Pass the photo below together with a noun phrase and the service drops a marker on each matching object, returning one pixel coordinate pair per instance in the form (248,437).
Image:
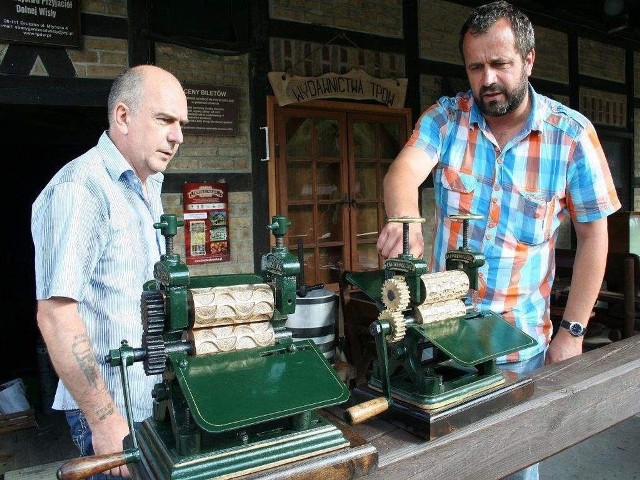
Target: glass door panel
(364,139)
(366,186)
(302,226)
(329,223)
(328,137)
(313,186)
(330,265)
(390,142)
(368,256)
(300,181)
(298,134)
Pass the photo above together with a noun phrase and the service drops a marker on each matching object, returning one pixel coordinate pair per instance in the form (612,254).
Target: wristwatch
(576,329)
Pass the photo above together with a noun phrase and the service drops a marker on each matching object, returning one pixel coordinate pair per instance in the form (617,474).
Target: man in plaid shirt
(524,162)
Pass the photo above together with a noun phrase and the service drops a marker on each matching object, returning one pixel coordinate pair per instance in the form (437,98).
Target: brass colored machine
(435,355)
(238,394)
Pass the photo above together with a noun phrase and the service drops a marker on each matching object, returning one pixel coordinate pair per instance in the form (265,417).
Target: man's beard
(513,99)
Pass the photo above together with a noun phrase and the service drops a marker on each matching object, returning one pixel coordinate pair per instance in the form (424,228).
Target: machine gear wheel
(395,293)
(397,323)
(152,308)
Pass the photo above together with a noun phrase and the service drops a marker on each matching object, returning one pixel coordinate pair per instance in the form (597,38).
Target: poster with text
(206,222)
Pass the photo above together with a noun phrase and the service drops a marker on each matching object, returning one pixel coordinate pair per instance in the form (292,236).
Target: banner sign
(354,85)
(46,22)
(206,222)
(212,110)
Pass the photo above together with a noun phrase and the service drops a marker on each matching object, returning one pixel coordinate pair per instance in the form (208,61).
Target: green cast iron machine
(238,393)
(435,368)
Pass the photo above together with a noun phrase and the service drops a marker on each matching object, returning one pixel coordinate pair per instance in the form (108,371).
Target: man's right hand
(390,240)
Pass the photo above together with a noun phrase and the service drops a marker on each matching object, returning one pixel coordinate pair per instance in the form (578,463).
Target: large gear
(152,306)
(397,323)
(395,293)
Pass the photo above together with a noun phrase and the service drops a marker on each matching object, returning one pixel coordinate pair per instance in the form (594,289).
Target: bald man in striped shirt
(95,247)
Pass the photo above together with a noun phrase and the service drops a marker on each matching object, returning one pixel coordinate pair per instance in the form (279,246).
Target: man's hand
(390,240)
(563,346)
(107,438)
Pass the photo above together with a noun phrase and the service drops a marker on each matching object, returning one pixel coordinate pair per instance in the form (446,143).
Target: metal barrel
(315,319)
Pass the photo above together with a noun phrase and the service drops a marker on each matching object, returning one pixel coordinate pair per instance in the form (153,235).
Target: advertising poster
(206,222)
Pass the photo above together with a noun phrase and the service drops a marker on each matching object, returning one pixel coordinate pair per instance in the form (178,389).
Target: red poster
(206,222)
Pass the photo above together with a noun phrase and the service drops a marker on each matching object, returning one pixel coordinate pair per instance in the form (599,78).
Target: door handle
(266,142)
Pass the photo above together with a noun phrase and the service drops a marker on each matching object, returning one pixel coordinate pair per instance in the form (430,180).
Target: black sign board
(46,22)
(212,110)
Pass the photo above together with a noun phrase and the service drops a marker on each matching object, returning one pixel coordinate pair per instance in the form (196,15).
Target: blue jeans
(525,366)
(81,436)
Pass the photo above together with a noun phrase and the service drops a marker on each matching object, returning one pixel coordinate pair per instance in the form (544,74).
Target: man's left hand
(563,346)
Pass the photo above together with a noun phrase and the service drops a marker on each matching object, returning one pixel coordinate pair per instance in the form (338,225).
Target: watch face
(576,329)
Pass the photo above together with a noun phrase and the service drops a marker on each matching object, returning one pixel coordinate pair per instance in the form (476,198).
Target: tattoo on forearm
(83,352)
(104,412)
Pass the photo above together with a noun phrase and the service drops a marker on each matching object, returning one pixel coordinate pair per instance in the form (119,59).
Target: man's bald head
(129,87)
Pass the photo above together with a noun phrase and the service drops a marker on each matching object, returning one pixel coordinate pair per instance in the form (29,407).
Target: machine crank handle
(366,410)
(369,409)
(84,467)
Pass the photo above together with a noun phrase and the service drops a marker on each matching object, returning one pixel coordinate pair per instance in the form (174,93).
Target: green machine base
(461,385)
(435,423)
(460,382)
(161,460)
(468,347)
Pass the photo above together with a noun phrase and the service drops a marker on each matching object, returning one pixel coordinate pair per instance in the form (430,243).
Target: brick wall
(210,154)
(114,8)
(439,23)
(313,59)
(552,55)
(601,60)
(382,17)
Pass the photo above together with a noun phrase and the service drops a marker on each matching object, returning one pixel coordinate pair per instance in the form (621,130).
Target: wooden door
(329,160)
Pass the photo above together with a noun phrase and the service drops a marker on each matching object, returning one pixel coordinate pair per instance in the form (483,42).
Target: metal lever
(266,142)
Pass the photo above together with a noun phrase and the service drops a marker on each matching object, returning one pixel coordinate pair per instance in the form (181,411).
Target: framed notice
(206,222)
(41,21)
(212,110)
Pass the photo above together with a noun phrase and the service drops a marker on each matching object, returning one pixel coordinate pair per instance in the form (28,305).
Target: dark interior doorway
(39,140)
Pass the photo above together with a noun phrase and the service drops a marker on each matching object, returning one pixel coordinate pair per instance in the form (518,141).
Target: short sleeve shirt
(95,242)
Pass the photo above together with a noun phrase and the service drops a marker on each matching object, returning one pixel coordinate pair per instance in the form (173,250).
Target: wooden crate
(17,421)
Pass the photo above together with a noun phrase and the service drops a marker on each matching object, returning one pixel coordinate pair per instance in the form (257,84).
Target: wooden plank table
(572,401)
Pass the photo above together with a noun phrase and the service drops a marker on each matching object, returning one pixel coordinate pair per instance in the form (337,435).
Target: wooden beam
(572,401)
(33,90)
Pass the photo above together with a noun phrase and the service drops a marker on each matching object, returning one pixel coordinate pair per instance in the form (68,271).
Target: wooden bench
(619,294)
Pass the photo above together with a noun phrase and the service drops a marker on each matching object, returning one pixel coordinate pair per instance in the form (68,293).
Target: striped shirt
(95,243)
(553,168)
